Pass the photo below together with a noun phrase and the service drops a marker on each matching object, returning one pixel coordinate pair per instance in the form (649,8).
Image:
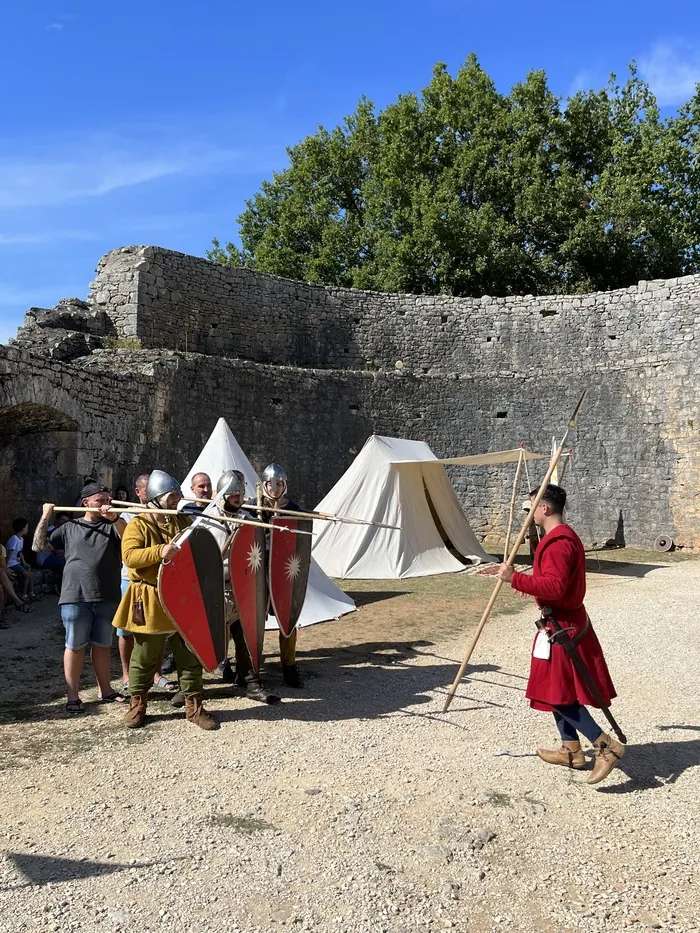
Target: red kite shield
(290,560)
(247,570)
(191,590)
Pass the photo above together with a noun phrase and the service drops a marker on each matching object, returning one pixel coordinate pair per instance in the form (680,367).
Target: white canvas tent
(396,482)
(324,601)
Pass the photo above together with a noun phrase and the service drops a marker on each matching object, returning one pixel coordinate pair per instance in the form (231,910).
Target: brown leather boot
(196,713)
(569,755)
(136,713)
(608,752)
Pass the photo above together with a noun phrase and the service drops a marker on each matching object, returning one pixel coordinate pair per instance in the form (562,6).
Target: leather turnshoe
(195,712)
(608,752)
(291,676)
(570,755)
(135,715)
(177,701)
(256,691)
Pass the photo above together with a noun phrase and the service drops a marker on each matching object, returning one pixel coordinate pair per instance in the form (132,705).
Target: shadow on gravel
(653,765)
(364,681)
(619,569)
(42,869)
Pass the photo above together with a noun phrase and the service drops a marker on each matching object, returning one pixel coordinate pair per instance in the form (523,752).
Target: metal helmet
(273,474)
(160,484)
(231,484)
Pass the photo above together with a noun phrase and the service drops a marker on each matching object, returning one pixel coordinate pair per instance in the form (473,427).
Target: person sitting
(7,589)
(16,562)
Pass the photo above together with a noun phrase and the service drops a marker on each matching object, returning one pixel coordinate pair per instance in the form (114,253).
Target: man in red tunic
(558,582)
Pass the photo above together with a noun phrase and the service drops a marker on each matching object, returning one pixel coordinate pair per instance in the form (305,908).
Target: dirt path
(355,804)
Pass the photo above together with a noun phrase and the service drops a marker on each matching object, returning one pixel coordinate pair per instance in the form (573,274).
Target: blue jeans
(47,560)
(122,632)
(573,719)
(88,624)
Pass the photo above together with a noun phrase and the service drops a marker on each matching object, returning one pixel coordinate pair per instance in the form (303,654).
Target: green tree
(461,189)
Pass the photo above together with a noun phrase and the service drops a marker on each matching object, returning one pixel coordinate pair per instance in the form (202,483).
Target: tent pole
(512,503)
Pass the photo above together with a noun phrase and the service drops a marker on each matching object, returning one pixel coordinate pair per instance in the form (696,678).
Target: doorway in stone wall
(38,463)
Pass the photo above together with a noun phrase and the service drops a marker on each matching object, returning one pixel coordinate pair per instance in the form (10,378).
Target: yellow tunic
(142,545)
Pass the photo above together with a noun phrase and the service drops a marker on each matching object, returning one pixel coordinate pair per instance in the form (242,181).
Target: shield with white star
(290,560)
(247,570)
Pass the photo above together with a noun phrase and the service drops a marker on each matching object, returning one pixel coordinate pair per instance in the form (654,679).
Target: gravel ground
(356,805)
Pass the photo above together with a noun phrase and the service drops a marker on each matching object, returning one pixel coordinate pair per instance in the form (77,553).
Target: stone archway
(38,463)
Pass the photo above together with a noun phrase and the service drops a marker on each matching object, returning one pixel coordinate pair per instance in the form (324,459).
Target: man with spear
(568,670)
(146,542)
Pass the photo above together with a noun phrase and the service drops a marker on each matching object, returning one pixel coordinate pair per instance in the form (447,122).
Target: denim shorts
(88,624)
(121,632)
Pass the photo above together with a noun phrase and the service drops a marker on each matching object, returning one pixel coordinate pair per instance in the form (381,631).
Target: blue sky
(152,123)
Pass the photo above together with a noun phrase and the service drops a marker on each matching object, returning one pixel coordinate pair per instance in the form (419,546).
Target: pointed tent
(324,601)
(399,482)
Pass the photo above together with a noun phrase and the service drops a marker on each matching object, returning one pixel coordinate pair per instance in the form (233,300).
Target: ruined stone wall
(476,375)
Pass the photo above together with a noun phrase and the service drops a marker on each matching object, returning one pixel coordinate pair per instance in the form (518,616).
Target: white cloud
(672,69)
(54,27)
(46,236)
(95,168)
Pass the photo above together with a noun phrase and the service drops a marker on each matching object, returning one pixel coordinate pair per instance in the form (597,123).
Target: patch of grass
(122,343)
(247,825)
(497,798)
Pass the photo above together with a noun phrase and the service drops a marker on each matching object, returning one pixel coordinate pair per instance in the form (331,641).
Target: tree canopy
(466,191)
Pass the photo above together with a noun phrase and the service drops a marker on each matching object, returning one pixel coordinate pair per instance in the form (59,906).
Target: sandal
(23,607)
(75,706)
(164,684)
(112,698)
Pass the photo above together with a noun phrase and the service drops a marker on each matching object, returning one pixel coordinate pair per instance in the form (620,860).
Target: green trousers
(288,649)
(142,667)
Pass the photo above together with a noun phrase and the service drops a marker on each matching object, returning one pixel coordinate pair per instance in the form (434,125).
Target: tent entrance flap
(441,529)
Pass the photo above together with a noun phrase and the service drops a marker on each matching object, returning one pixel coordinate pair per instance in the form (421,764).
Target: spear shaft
(323,516)
(132,509)
(513,555)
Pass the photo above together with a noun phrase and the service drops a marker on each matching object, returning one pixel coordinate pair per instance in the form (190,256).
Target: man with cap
(275,495)
(558,583)
(146,543)
(90,590)
(230,492)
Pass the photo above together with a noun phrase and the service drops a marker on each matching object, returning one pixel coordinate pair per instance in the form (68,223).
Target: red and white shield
(247,571)
(191,590)
(290,560)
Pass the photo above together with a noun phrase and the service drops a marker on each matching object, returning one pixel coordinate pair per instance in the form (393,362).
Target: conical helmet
(160,484)
(273,474)
(231,483)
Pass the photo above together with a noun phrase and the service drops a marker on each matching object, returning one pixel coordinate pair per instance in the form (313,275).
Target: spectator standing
(90,592)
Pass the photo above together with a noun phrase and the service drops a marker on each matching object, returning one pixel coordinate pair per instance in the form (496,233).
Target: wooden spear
(513,555)
(512,500)
(323,516)
(144,510)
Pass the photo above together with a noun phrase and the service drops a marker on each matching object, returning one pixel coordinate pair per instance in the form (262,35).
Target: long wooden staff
(512,500)
(513,554)
(324,516)
(564,465)
(144,510)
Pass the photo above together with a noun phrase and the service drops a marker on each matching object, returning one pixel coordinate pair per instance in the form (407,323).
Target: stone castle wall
(304,374)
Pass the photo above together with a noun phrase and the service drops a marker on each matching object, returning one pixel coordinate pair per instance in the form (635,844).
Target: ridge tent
(399,482)
(324,601)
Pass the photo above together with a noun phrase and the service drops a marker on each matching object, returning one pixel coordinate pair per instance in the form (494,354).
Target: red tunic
(559,581)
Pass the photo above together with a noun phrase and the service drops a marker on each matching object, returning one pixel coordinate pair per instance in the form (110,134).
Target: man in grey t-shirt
(90,591)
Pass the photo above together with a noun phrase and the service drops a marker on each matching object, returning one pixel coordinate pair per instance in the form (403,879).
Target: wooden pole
(324,516)
(512,501)
(512,556)
(144,510)
(562,472)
